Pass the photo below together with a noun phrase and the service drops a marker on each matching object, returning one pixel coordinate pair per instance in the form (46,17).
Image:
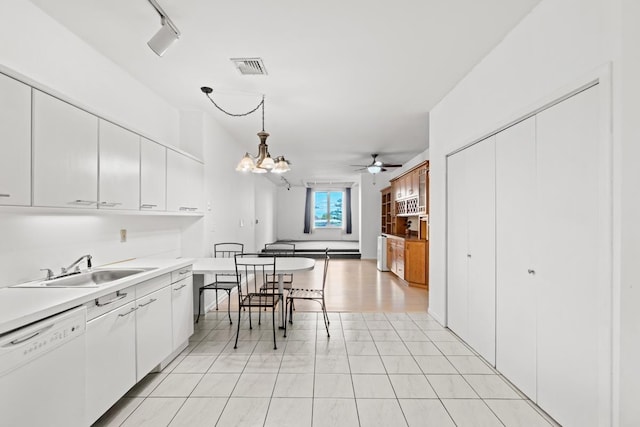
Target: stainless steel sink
(89,279)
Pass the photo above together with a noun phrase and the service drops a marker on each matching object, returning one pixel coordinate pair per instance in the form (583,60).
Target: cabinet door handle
(188,208)
(128,312)
(468,255)
(177,289)
(152,300)
(531,271)
(148,206)
(109,204)
(5,195)
(184,271)
(83,202)
(118,297)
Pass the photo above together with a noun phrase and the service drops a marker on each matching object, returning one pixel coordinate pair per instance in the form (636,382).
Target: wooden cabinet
(15,145)
(153,176)
(111,365)
(385,209)
(65,154)
(182,311)
(153,323)
(184,183)
(415,262)
(119,166)
(395,256)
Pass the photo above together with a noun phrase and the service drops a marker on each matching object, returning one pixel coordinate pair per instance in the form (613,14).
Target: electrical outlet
(123,235)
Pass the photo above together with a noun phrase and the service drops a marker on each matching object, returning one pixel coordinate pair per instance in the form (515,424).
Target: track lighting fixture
(166,35)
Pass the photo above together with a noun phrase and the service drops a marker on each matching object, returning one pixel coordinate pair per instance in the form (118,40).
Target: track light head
(164,38)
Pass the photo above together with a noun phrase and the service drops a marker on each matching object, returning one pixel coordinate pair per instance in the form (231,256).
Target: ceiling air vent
(250,66)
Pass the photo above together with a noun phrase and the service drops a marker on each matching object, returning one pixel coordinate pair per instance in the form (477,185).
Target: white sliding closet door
(516,222)
(457,247)
(471,246)
(567,268)
(480,186)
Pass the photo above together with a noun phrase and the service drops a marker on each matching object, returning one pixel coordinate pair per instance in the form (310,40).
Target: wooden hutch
(405,222)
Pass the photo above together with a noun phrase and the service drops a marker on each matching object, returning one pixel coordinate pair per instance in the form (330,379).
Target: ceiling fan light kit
(376,166)
(262,162)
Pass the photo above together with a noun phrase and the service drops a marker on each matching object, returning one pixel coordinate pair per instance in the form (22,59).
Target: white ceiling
(347,78)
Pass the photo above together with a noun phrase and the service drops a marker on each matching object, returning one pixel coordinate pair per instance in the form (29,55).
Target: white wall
(370,212)
(265,212)
(559,42)
(628,91)
(290,217)
(38,47)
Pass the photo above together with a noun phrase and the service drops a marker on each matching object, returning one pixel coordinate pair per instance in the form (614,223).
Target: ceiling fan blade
(390,165)
(361,169)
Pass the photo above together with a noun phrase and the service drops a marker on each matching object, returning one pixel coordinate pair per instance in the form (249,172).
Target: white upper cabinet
(184,183)
(15,142)
(119,167)
(153,176)
(65,154)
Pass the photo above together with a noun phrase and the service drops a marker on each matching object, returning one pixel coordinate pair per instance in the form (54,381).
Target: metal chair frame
(310,295)
(226,282)
(252,267)
(281,250)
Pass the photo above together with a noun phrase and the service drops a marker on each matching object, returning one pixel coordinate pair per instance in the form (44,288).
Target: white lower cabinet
(131,332)
(182,310)
(111,367)
(154,342)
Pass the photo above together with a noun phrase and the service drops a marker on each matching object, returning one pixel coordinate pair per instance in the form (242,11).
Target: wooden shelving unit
(387,215)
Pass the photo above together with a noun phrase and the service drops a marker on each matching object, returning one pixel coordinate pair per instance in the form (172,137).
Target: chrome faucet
(75,264)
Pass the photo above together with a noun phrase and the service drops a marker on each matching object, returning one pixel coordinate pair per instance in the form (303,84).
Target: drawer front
(109,302)
(182,273)
(152,285)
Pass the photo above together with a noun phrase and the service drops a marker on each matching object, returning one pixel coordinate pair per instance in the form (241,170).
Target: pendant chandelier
(263,162)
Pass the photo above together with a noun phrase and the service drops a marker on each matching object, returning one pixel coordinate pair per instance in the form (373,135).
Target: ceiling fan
(376,166)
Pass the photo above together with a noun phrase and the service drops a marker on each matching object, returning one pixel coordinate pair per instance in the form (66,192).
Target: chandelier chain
(261,104)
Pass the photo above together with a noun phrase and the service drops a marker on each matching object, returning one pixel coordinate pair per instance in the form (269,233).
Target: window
(327,211)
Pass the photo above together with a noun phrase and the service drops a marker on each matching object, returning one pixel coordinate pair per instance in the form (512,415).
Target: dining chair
(226,282)
(253,267)
(280,250)
(311,294)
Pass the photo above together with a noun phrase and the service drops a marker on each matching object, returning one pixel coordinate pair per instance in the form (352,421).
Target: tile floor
(377,369)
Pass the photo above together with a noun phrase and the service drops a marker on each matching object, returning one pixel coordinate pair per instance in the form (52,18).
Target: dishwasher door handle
(28,337)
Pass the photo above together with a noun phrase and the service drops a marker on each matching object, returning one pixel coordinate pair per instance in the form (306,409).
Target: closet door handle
(530,271)
(5,195)
(468,255)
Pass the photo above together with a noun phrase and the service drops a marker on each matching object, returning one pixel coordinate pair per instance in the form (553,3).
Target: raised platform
(338,249)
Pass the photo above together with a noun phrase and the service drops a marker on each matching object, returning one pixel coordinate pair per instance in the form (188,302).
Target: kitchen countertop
(22,306)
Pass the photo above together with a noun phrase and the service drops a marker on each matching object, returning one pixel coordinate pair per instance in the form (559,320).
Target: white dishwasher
(42,372)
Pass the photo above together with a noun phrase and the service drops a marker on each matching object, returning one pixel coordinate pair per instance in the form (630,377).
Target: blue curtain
(347,208)
(307,211)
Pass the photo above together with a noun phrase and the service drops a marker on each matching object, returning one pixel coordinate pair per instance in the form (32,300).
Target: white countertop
(21,306)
